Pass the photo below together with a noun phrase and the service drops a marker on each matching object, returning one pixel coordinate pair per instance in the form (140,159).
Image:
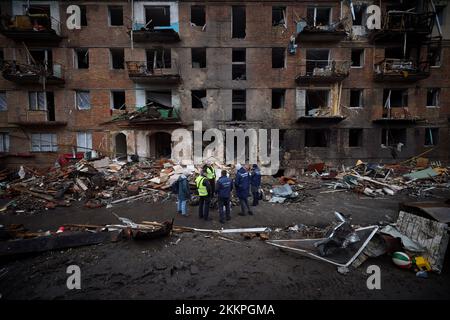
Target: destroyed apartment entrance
(121,145)
(160,144)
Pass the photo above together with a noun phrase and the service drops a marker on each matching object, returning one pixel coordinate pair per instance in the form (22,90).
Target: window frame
(76,100)
(53,143)
(85,135)
(3,108)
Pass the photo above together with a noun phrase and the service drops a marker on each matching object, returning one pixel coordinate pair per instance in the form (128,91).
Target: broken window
(238,68)
(360,14)
(84,141)
(81,60)
(355,137)
(316,59)
(316,100)
(238,105)
(357,58)
(157,16)
(118,100)
(159,58)
(278,97)
(238,22)
(37,100)
(41,57)
(431,136)
(318,16)
(115,14)
(198,15)
(44,142)
(433,97)
(83,15)
(117,58)
(83,100)
(278,16)
(278,58)
(435,57)
(3,104)
(356,98)
(161,98)
(198,99)
(39,15)
(395,98)
(198,57)
(4,142)
(392,137)
(317,138)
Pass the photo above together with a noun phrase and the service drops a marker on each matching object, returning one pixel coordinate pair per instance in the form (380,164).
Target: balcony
(327,33)
(153,113)
(401,70)
(165,34)
(32,74)
(32,28)
(38,118)
(398,115)
(141,72)
(323,72)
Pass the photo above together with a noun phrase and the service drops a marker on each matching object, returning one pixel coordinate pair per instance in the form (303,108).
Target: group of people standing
(247,180)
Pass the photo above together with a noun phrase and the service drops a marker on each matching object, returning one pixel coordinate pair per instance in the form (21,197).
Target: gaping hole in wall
(40,16)
(278,97)
(83,14)
(395,98)
(198,99)
(238,22)
(115,15)
(198,57)
(159,98)
(317,138)
(121,145)
(360,14)
(357,58)
(118,100)
(198,15)
(433,97)
(278,16)
(81,58)
(316,58)
(117,58)
(160,145)
(355,137)
(316,99)
(278,57)
(238,67)
(356,98)
(392,137)
(239,105)
(431,136)
(434,56)
(318,16)
(159,58)
(157,16)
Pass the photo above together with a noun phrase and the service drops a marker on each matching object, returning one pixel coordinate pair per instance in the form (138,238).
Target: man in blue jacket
(242,184)
(223,189)
(184,193)
(255,183)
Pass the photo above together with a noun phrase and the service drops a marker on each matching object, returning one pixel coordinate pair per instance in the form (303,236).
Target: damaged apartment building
(137,70)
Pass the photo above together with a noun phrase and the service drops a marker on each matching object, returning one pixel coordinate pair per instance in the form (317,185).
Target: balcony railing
(147,33)
(141,71)
(32,73)
(323,71)
(332,32)
(401,70)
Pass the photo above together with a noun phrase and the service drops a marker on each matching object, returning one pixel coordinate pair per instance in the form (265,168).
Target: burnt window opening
(356,98)
(238,22)
(316,58)
(433,97)
(198,15)
(117,58)
(198,57)
(159,98)
(434,55)
(395,53)
(357,58)
(355,137)
(395,98)
(198,99)
(159,58)
(360,14)
(157,16)
(83,15)
(238,67)
(317,138)
(41,57)
(239,105)
(118,100)
(278,98)
(278,16)
(115,15)
(392,137)
(81,58)
(318,16)
(278,58)
(431,136)
(316,100)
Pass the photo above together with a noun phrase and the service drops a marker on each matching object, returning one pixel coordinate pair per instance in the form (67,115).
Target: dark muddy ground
(201,267)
